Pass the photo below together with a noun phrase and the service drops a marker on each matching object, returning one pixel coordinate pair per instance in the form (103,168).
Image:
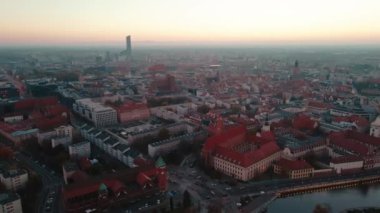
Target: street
(50,196)
(206,191)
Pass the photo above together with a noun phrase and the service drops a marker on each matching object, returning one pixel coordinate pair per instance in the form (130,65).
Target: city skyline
(189,22)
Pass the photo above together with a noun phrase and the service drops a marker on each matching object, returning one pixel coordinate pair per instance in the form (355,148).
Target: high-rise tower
(296,69)
(128,46)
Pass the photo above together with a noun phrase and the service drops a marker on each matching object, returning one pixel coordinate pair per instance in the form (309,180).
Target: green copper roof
(160,162)
(102,187)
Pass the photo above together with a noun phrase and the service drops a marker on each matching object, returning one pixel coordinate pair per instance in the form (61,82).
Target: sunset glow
(241,21)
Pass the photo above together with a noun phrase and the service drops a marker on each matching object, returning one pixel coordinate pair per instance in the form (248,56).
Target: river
(338,200)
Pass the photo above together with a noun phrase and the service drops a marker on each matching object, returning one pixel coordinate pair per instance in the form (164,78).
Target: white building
(43,136)
(68,169)
(95,112)
(13,118)
(163,147)
(60,135)
(166,146)
(346,163)
(65,141)
(14,179)
(80,150)
(375,128)
(10,203)
(64,131)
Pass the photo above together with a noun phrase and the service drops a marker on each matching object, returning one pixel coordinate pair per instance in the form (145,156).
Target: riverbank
(338,200)
(362,210)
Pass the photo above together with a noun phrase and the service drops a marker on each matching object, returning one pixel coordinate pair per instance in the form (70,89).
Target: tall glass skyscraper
(129,46)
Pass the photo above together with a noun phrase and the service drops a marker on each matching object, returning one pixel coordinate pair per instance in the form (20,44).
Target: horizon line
(151,43)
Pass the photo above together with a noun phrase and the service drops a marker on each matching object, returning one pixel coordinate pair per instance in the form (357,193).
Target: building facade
(293,169)
(132,112)
(80,150)
(10,203)
(233,152)
(375,128)
(95,112)
(14,179)
(344,164)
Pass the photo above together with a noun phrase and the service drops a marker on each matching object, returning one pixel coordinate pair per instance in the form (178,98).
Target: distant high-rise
(128,46)
(296,69)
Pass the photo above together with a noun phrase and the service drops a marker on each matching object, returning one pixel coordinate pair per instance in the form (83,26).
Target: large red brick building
(124,186)
(236,153)
(357,144)
(293,169)
(132,111)
(31,116)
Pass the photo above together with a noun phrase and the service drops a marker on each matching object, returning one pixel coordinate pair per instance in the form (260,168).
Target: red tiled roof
(130,106)
(232,135)
(245,122)
(143,178)
(319,105)
(48,101)
(267,136)
(78,176)
(357,136)
(114,185)
(364,138)
(50,123)
(85,163)
(11,114)
(14,127)
(351,145)
(247,158)
(293,164)
(141,162)
(282,123)
(346,159)
(358,120)
(337,135)
(157,68)
(304,122)
(56,110)
(85,188)
(261,138)
(92,186)
(34,102)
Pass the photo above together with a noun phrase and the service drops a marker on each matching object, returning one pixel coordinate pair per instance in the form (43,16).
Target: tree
(6,153)
(96,169)
(61,158)
(163,134)
(142,144)
(235,109)
(173,158)
(28,193)
(213,208)
(184,147)
(204,109)
(322,209)
(186,200)
(2,187)
(67,76)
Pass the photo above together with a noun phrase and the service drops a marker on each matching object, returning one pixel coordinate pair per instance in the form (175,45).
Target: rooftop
(8,197)
(80,144)
(293,164)
(346,159)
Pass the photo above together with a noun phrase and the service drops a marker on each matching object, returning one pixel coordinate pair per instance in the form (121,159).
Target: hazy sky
(189,21)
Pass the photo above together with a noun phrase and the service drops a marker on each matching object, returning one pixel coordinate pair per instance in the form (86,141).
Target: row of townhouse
(172,128)
(168,145)
(109,144)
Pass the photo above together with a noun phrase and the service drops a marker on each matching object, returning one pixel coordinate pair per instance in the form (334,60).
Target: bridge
(324,186)
(260,203)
